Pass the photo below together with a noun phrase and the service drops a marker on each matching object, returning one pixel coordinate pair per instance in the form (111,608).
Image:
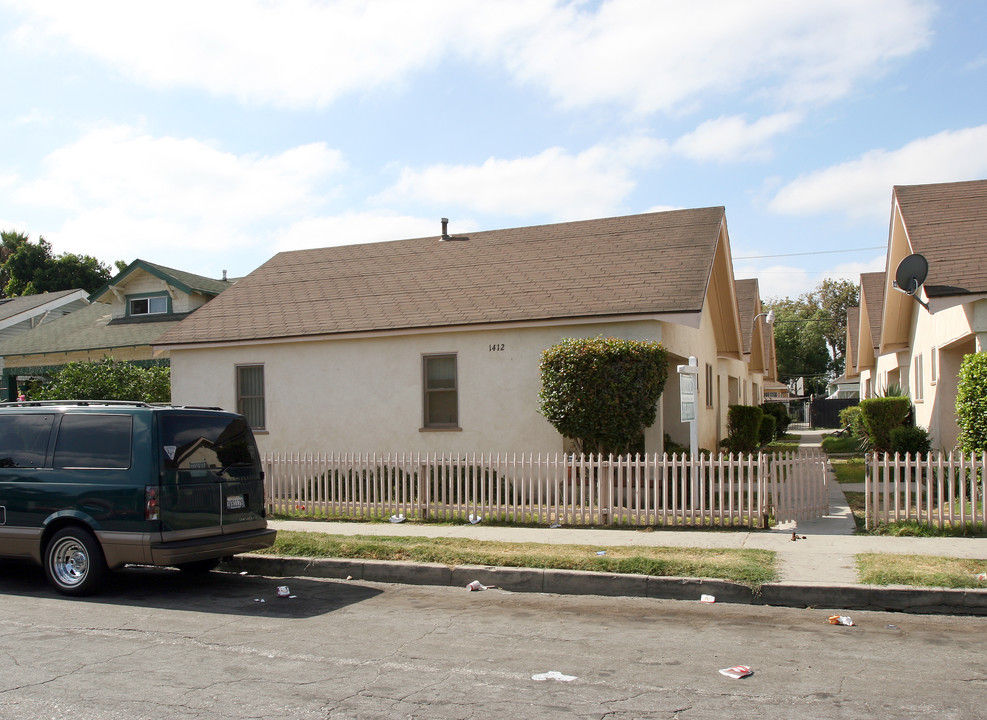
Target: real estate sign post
(688,396)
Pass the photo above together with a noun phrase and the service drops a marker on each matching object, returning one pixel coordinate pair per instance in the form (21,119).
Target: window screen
(250,394)
(441,393)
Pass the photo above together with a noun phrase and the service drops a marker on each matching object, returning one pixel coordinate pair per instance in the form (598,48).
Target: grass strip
(836,444)
(849,470)
(920,571)
(748,567)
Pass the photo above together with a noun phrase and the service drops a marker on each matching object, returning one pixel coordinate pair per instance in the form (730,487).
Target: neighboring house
(433,344)
(759,345)
(868,345)
(20,314)
(122,320)
(843,388)
(921,349)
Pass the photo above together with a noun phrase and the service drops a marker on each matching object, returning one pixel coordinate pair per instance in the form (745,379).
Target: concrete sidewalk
(819,570)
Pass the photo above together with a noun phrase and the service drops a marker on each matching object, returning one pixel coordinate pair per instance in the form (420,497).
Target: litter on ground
(553,675)
(707,599)
(982,577)
(601,552)
(475,585)
(553,526)
(397,518)
(474,519)
(840,620)
(737,671)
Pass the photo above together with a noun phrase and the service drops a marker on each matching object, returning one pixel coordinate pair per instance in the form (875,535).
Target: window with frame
(709,385)
(441,391)
(250,394)
(919,389)
(934,366)
(149,305)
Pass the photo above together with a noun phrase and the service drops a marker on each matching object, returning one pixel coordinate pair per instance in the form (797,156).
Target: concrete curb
(574,582)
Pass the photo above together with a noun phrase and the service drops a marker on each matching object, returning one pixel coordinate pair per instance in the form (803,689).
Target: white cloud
(293,54)
(355,227)
(648,56)
(729,139)
(672,54)
(127,194)
(861,188)
(592,183)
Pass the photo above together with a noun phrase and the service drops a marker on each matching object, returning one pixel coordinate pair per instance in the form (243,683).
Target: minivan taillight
(151,508)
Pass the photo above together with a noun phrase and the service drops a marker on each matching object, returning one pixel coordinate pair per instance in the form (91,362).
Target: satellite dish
(911,273)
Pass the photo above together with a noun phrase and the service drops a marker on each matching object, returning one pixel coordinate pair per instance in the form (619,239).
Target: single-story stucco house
(433,344)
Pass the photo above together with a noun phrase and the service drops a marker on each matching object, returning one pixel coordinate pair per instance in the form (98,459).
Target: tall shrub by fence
(936,489)
(725,490)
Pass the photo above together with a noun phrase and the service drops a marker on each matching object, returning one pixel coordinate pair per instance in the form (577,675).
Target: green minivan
(90,486)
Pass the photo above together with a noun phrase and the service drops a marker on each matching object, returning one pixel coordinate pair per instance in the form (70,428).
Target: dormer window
(147,305)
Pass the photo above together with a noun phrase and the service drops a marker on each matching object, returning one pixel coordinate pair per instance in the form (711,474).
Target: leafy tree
(10,242)
(603,392)
(108,379)
(810,333)
(31,268)
(971,403)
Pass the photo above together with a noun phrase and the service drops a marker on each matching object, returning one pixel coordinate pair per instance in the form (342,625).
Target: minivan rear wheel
(74,562)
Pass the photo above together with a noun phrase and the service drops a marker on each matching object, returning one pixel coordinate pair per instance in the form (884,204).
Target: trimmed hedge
(879,416)
(780,413)
(767,430)
(913,440)
(744,428)
(971,403)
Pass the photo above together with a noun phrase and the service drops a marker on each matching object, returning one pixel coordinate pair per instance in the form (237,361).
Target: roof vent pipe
(445,228)
(224,276)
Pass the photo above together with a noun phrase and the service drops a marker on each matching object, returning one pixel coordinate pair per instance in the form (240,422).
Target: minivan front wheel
(74,562)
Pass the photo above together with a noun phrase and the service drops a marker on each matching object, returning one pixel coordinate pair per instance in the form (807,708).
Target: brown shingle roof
(653,263)
(853,337)
(947,223)
(872,288)
(747,299)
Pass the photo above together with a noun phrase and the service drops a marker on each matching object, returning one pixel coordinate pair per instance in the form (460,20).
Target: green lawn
(920,570)
(848,470)
(748,567)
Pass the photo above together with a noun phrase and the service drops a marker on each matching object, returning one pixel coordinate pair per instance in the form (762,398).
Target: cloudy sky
(210,135)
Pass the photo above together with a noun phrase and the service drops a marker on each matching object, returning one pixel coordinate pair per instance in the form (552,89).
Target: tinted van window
(24,440)
(202,442)
(94,441)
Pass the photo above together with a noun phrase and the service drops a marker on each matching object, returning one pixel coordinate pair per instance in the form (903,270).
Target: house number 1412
(497,347)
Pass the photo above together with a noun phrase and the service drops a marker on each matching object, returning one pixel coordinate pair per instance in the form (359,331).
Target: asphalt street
(160,644)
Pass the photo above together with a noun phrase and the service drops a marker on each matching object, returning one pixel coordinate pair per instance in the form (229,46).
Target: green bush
(108,379)
(603,392)
(879,416)
(743,428)
(850,417)
(780,413)
(910,439)
(971,403)
(767,430)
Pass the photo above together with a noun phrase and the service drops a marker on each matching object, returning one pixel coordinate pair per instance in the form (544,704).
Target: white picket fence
(937,489)
(726,490)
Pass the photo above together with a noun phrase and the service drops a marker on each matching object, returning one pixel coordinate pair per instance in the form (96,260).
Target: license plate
(235,502)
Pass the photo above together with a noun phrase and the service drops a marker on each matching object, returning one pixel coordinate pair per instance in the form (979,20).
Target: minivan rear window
(207,442)
(24,440)
(94,441)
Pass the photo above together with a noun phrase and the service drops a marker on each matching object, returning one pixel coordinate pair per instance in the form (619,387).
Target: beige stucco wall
(938,343)
(365,394)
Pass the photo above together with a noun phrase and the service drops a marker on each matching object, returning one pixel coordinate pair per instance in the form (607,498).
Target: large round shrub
(971,403)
